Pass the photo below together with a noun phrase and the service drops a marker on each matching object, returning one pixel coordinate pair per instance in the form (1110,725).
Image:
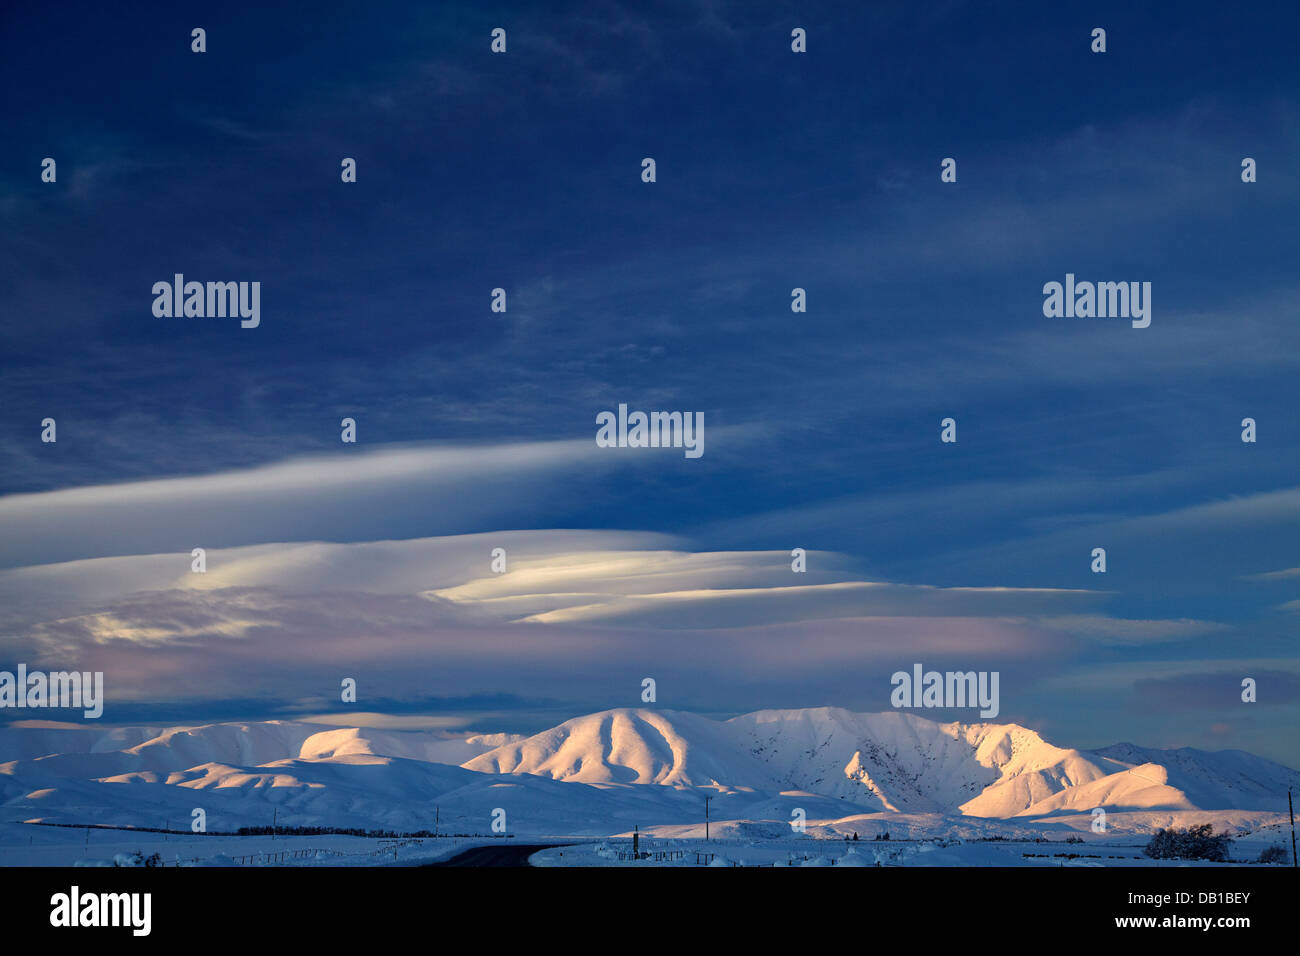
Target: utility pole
(1291,807)
(706,818)
(274,813)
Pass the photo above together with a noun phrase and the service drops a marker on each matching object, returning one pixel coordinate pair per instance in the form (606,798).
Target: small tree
(1194,843)
(137,859)
(1273,854)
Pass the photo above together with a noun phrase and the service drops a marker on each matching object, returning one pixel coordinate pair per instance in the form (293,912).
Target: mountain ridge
(604,772)
(891,761)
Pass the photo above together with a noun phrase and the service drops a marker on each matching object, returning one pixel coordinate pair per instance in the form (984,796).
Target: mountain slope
(890,762)
(1223,779)
(632,746)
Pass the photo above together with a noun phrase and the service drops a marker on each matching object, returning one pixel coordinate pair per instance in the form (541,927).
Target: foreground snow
(31,845)
(26,845)
(838,853)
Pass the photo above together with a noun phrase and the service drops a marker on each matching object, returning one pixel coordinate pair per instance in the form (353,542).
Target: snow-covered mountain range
(605,772)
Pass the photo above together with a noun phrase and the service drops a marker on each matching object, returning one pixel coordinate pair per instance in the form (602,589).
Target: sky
(775,170)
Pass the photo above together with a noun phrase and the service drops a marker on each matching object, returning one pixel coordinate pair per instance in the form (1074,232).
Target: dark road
(511,854)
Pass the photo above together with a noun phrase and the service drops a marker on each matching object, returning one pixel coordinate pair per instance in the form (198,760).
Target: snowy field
(940,852)
(29,845)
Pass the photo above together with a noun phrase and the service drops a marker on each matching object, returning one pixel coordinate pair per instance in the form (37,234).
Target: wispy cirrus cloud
(369,493)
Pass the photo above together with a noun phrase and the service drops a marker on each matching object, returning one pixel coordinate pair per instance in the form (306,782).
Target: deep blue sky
(775,170)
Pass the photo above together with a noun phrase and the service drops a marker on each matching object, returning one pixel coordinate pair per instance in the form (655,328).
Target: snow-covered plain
(936,851)
(946,788)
